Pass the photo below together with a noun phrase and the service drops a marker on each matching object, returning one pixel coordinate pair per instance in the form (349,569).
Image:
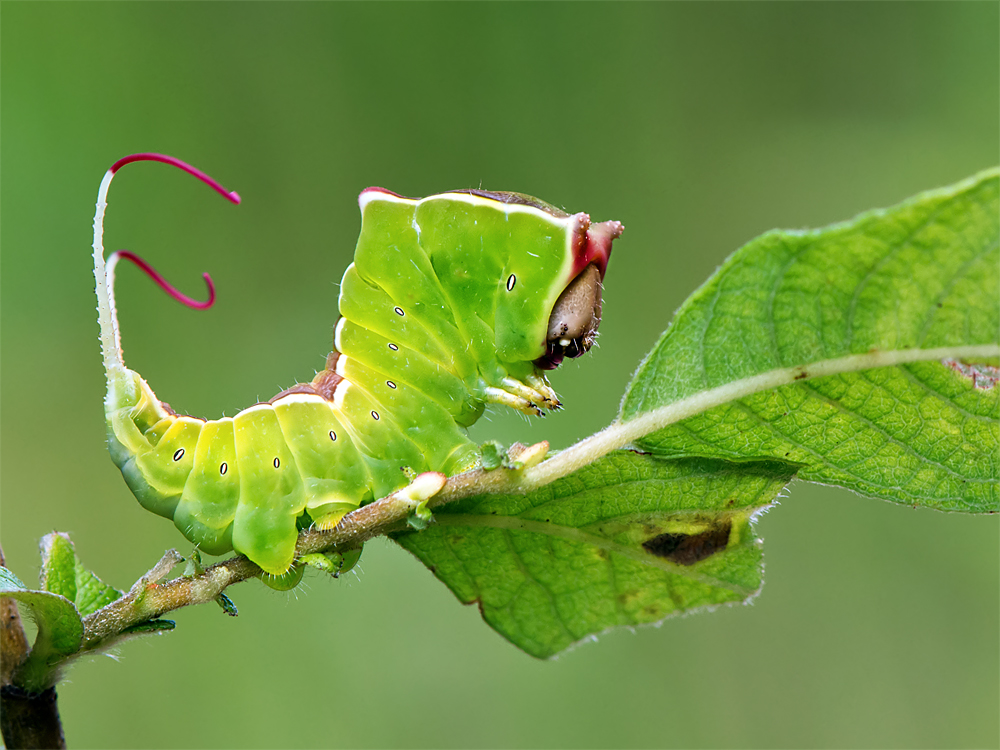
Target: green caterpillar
(452,302)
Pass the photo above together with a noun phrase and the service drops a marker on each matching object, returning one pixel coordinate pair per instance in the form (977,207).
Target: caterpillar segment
(453,302)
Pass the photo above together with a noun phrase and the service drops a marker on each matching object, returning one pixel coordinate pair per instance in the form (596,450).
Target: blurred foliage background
(697,125)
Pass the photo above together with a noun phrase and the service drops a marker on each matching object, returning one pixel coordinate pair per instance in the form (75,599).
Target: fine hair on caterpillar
(453,302)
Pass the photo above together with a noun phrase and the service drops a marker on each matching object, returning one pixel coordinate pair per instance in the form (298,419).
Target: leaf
(58,573)
(783,342)
(628,540)
(60,632)
(64,574)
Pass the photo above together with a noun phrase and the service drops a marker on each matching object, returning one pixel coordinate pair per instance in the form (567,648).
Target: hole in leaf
(687,549)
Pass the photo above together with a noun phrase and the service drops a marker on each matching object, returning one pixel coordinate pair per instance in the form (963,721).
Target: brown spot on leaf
(687,549)
(982,376)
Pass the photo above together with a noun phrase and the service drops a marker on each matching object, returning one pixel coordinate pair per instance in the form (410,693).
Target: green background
(697,125)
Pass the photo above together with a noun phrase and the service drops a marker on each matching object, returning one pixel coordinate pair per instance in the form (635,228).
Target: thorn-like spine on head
(104,273)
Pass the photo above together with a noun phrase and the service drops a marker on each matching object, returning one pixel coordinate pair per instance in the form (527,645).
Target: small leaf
(60,632)
(58,573)
(227,604)
(421,517)
(491,455)
(64,574)
(91,592)
(627,540)
(883,306)
(150,627)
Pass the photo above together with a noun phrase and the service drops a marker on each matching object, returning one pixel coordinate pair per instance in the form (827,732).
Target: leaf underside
(628,540)
(922,275)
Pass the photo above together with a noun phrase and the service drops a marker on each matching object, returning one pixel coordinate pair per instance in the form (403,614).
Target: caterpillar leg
(284,582)
(541,385)
(326,518)
(334,563)
(536,391)
(530,399)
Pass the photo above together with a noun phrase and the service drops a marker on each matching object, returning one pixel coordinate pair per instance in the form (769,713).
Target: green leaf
(60,632)
(491,455)
(152,627)
(58,573)
(64,574)
(783,342)
(627,540)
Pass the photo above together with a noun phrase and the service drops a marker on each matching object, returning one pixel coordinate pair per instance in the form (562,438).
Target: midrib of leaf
(620,434)
(513,523)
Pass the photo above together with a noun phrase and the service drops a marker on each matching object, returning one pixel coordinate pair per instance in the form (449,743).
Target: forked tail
(104,273)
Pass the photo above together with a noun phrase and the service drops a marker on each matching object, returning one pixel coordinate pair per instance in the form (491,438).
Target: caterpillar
(453,302)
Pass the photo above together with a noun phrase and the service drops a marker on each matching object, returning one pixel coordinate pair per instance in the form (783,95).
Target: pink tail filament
(230,195)
(165,285)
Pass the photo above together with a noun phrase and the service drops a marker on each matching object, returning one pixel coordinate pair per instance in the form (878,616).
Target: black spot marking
(178,454)
(394,347)
(399,311)
(277,463)
(687,549)
(375,415)
(511,280)
(223,468)
(390,384)
(801,375)
(333,436)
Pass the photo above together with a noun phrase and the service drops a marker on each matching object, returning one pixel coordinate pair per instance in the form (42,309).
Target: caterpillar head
(576,315)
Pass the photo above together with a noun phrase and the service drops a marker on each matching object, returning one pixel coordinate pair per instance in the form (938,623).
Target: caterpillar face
(576,315)
(574,320)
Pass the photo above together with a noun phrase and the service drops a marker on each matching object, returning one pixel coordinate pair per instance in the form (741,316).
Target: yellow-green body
(444,310)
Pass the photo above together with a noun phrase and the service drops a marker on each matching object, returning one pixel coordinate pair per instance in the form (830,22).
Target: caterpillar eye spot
(375,415)
(511,280)
(178,454)
(333,436)
(399,311)
(277,463)
(223,469)
(394,347)
(390,384)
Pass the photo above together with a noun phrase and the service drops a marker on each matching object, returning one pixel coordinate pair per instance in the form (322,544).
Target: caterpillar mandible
(453,302)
